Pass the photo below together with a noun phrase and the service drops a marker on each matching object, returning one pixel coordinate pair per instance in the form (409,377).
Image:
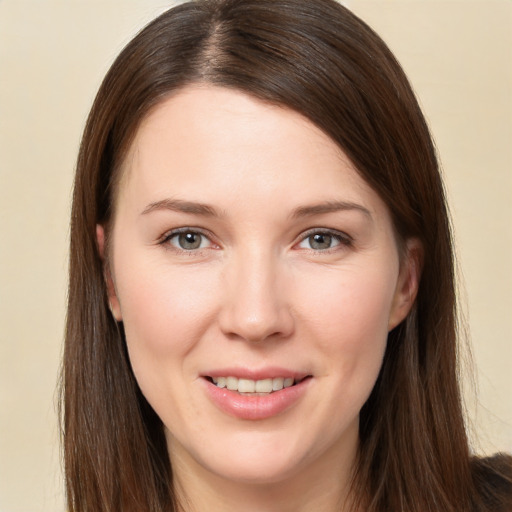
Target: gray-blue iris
(189,241)
(320,241)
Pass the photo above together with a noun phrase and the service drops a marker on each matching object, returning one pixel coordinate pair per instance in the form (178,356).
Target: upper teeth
(253,386)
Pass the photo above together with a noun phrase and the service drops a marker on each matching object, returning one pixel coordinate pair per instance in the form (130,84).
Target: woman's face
(247,251)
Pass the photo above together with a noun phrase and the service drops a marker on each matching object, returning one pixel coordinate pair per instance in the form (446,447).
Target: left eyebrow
(328,207)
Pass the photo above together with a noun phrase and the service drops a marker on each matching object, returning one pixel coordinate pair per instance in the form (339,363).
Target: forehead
(207,140)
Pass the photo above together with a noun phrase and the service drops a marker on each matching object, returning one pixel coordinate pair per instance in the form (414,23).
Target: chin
(257,472)
(253,458)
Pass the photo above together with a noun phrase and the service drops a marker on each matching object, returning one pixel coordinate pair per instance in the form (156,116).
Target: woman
(261,308)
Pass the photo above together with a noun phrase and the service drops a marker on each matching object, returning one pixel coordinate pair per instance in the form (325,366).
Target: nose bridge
(256,306)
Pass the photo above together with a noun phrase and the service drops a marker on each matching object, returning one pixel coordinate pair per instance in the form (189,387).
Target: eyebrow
(191,207)
(329,207)
(178,205)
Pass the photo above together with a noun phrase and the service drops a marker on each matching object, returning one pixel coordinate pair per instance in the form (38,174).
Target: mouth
(251,387)
(269,393)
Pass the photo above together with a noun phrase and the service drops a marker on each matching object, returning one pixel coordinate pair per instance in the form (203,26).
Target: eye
(187,240)
(324,240)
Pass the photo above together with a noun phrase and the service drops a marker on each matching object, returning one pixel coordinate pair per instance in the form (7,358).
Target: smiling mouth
(255,387)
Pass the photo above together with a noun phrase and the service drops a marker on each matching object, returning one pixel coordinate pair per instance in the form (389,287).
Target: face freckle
(246,246)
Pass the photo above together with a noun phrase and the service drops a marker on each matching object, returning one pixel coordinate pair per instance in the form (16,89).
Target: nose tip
(256,307)
(257,327)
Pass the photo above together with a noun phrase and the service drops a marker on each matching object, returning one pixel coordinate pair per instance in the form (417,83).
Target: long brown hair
(318,59)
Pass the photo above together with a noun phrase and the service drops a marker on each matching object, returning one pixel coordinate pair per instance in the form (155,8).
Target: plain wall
(53,55)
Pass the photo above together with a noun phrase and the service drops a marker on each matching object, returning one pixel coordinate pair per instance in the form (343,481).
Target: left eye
(320,241)
(188,240)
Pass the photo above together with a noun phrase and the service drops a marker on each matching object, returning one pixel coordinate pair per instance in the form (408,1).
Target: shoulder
(492,477)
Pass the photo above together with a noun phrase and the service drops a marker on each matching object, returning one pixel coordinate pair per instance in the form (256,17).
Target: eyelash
(166,239)
(341,238)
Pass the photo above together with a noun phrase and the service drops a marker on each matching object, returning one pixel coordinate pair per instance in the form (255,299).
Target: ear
(109,282)
(407,283)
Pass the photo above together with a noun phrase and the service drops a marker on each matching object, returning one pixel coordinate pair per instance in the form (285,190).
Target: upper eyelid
(186,229)
(344,241)
(165,241)
(329,231)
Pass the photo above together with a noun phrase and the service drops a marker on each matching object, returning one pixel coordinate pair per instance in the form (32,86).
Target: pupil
(320,241)
(189,240)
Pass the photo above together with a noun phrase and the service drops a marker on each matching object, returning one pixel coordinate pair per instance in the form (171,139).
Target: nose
(256,306)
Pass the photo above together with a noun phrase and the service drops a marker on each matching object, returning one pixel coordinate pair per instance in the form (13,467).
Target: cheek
(355,298)
(347,312)
(165,314)
(163,307)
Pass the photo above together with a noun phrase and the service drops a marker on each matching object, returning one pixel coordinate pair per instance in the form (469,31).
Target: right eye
(187,240)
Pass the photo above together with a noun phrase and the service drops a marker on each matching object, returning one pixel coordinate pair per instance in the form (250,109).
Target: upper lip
(256,374)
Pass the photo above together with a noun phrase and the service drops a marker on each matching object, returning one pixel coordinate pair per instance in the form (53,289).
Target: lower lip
(259,407)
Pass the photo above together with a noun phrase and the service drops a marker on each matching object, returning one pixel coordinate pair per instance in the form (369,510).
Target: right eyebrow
(177,205)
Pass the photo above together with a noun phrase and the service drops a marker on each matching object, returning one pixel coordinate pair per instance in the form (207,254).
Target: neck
(322,485)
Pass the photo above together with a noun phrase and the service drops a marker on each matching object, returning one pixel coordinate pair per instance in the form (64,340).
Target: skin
(256,293)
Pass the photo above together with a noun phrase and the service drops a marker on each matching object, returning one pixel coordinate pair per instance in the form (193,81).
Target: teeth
(232,383)
(277,383)
(253,386)
(264,386)
(246,386)
(287,383)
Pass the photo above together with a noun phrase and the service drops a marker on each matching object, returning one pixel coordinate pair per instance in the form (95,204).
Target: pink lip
(264,373)
(260,407)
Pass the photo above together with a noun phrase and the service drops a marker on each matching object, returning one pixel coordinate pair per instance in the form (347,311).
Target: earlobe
(113,301)
(407,284)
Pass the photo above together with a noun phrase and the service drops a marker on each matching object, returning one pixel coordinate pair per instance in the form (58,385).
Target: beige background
(53,55)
